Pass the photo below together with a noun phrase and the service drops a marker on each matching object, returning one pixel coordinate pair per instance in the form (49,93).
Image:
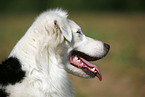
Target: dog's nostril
(107,46)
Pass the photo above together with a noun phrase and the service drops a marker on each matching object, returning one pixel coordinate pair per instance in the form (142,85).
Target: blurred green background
(120,23)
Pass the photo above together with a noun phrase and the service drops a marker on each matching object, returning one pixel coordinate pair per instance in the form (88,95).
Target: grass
(123,69)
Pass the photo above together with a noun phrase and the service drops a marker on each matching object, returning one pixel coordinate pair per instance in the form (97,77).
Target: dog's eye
(78,32)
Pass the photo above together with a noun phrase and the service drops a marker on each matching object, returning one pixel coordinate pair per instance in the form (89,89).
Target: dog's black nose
(107,46)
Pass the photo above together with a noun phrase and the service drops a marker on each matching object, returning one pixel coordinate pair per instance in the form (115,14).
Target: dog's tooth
(93,69)
(79,61)
(76,57)
(82,64)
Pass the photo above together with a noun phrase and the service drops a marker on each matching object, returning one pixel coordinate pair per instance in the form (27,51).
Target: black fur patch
(3,93)
(11,71)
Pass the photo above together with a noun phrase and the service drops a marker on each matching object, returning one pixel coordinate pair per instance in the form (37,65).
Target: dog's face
(81,50)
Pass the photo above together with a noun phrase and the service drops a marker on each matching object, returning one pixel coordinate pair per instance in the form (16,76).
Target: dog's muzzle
(81,60)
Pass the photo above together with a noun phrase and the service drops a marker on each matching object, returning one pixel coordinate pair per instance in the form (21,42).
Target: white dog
(52,46)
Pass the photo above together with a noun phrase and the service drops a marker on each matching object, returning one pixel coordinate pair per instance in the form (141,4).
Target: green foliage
(79,5)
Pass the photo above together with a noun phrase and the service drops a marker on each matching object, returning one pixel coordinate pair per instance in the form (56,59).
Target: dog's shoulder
(11,71)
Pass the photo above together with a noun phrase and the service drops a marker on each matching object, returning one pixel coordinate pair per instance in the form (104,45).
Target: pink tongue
(90,66)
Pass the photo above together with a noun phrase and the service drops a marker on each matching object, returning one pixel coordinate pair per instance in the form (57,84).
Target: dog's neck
(55,79)
(44,68)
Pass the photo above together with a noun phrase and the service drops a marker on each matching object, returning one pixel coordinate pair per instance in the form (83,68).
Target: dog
(38,64)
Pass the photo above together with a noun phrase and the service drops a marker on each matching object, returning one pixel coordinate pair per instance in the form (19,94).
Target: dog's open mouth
(81,61)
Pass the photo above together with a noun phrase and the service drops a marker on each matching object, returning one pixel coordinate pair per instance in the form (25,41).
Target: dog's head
(80,49)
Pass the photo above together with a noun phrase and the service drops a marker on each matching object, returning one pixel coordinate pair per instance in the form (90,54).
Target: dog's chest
(44,87)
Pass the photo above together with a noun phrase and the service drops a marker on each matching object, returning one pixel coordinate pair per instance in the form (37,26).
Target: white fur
(43,52)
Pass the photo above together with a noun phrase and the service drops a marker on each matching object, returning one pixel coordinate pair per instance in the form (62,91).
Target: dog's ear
(64,28)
